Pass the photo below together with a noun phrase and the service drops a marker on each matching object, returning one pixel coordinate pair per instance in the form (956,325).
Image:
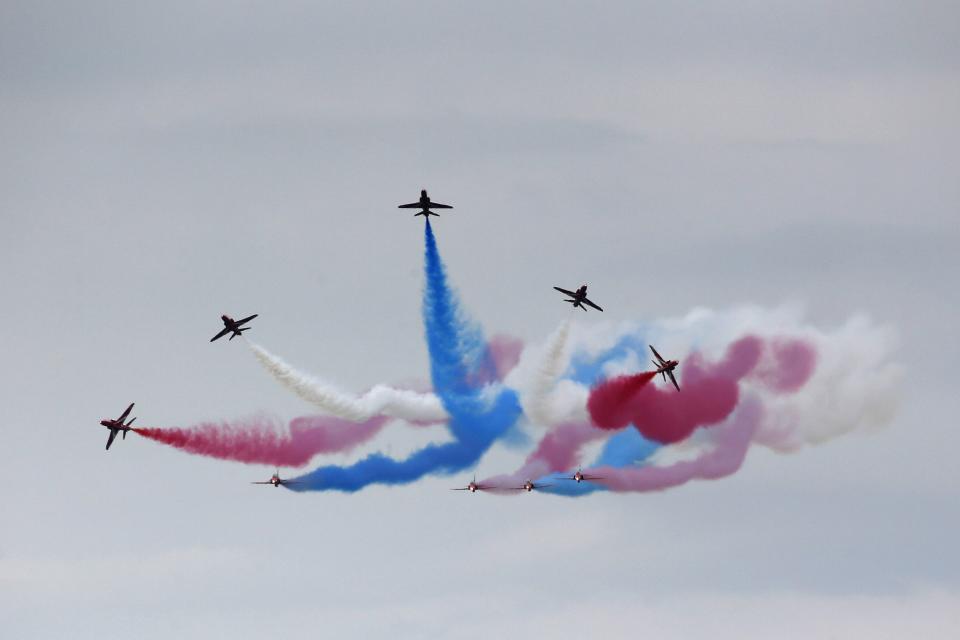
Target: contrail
(263,441)
(464,376)
(380,400)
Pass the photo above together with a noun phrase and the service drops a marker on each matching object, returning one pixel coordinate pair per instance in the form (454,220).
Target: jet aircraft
(473,486)
(579,297)
(276,480)
(665,367)
(117,425)
(229,324)
(529,486)
(425,204)
(580,476)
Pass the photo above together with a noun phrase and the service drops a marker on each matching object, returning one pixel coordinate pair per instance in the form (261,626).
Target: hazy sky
(163,165)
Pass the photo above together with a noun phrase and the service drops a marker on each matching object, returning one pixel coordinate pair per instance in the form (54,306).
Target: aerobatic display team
(730,380)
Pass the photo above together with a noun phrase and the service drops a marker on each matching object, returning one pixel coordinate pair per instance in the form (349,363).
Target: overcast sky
(163,165)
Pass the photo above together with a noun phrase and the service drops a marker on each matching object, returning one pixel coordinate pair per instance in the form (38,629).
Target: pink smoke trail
(505,351)
(558,450)
(731,442)
(260,441)
(782,366)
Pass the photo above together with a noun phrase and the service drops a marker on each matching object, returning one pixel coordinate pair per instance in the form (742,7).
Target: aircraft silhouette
(425,204)
(229,324)
(579,297)
(117,425)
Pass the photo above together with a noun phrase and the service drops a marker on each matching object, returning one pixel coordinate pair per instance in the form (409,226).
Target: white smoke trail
(380,400)
(546,399)
(855,386)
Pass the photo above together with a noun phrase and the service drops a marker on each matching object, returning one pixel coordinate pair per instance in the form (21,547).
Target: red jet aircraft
(276,480)
(229,324)
(529,486)
(665,367)
(117,425)
(473,486)
(580,476)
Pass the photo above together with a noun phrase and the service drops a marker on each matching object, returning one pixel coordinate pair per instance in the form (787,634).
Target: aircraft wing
(247,319)
(262,482)
(225,331)
(460,489)
(113,436)
(564,291)
(673,380)
(659,357)
(124,415)
(586,301)
(412,205)
(437,205)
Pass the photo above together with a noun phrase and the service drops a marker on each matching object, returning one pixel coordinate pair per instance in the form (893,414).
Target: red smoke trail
(611,402)
(709,393)
(260,441)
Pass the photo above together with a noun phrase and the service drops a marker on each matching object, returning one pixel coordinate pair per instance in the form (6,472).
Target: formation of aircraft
(229,324)
(665,367)
(425,204)
(276,480)
(578,298)
(116,426)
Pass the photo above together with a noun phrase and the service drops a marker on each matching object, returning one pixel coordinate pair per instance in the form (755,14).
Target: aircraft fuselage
(669,365)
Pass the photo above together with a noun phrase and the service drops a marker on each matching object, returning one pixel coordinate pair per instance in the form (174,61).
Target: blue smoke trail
(462,370)
(625,448)
(588,369)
